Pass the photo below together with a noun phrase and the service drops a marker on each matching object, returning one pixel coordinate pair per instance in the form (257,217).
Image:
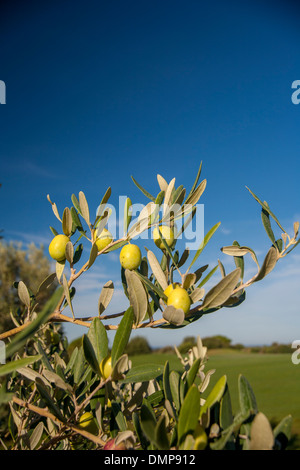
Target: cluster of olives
(130,258)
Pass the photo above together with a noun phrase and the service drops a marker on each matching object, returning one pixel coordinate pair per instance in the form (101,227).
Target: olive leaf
(67,294)
(173,315)
(69,252)
(156,269)
(162,183)
(268,264)
(267,209)
(204,243)
(46,283)
(197,193)
(197,294)
(67,222)
(146,193)
(102,205)
(23,294)
(196,180)
(105,296)
(236,250)
(265,217)
(93,255)
(168,195)
(54,208)
(189,280)
(137,295)
(261,437)
(222,291)
(127,215)
(84,208)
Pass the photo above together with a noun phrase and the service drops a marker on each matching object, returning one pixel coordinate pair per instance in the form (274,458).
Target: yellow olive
(57,247)
(130,256)
(179,298)
(170,288)
(104,239)
(87,422)
(166,233)
(106,367)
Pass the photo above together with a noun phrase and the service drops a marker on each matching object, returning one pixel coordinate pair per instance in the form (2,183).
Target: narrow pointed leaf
(105,296)
(146,193)
(23,294)
(137,295)
(84,208)
(122,335)
(222,291)
(268,264)
(67,222)
(204,243)
(67,294)
(156,269)
(175,316)
(189,413)
(196,181)
(98,338)
(15,365)
(267,209)
(246,396)
(54,208)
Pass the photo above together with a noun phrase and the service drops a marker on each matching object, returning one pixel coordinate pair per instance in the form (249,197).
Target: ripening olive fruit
(87,422)
(57,247)
(179,298)
(104,239)
(106,367)
(130,256)
(170,288)
(165,232)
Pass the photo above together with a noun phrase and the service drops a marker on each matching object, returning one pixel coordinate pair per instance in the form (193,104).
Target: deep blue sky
(99,91)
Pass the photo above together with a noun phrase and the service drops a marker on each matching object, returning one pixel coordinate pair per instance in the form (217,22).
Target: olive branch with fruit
(156,300)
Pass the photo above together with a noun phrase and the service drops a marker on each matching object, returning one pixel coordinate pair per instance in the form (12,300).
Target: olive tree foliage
(50,391)
(29,265)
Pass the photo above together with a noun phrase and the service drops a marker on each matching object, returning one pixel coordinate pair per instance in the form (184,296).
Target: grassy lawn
(274,378)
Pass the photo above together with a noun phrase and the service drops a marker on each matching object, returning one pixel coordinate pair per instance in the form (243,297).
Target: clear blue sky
(98,91)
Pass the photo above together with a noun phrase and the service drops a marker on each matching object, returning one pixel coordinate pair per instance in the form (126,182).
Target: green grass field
(274,378)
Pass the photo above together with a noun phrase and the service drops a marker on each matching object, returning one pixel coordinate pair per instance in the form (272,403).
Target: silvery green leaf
(268,264)
(93,255)
(162,183)
(69,252)
(54,208)
(67,222)
(156,269)
(267,209)
(173,315)
(57,380)
(105,296)
(23,294)
(137,295)
(189,280)
(59,269)
(146,193)
(197,294)
(204,243)
(46,283)
(67,293)
(120,368)
(197,193)
(222,291)
(84,208)
(261,437)
(36,435)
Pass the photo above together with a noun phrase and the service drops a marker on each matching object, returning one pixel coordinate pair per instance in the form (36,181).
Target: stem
(45,413)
